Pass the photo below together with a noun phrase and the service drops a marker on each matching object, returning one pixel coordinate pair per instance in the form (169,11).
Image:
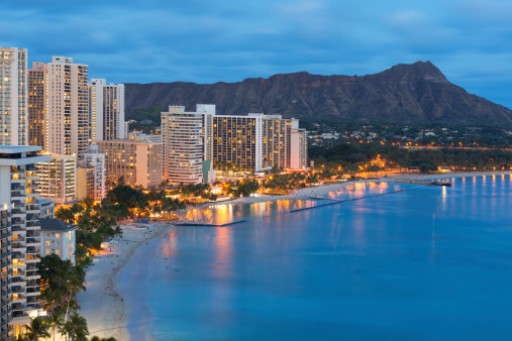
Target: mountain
(417,94)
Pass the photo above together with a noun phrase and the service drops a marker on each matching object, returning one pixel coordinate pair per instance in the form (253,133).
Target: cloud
(209,41)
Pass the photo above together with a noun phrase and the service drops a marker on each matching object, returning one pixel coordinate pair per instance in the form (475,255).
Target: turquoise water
(422,263)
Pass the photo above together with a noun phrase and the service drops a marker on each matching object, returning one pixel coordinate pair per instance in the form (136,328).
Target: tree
(75,329)
(96,338)
(37,328)
(55,321)
(61,281)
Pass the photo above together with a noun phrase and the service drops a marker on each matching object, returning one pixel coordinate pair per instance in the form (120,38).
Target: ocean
(390,262)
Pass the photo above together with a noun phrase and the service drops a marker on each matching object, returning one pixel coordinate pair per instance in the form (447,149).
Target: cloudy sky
(207,41)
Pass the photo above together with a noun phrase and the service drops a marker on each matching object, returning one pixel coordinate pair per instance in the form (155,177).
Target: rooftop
(55,225)
(5,149)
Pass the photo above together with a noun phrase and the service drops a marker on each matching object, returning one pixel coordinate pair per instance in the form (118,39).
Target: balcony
(32,241)
(32,250)
(18,211)
(31,258)
(17,229)
(17,195)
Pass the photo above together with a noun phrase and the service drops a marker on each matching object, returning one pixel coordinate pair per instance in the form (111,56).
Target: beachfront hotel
(238,142)
(184,147)
(13,96)
(58,238)
(106,103)
(138,160)
(20,248)
(227,142)
(57,179)
(298,147)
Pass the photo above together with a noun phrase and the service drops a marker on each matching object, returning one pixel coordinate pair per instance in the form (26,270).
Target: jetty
(422,182)
(196,223)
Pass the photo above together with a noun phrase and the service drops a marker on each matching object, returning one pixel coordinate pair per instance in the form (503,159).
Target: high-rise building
(106,110)
(299,147)
(17,194)
(184,147)
(36,104)
(137,160)
(91,175)
(276,142)
(238,142)
(5,271)
(13,96)
(229,142)
(67,124)
(57,179)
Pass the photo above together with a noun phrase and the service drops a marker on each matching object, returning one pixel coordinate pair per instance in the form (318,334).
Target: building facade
(91,174)
(58,238)
(57,179)
(36,104)
(106,110)
(67,124)
(231,142)
(5,272)
(137,161)
(18,192)
(238,142)
(13,96)
(299,147)
(183,138)
(276,142)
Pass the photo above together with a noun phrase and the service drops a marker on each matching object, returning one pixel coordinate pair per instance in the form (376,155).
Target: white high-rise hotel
(13,96)
(107,111)
(67,125)
(17,194)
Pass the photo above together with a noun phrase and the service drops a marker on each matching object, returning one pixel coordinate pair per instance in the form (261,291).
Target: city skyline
(202,42)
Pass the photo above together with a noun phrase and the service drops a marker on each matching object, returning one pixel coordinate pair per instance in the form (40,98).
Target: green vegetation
(351,155)
(241,188)
(198,190)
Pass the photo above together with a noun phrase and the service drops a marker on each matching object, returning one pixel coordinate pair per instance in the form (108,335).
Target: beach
(102,305)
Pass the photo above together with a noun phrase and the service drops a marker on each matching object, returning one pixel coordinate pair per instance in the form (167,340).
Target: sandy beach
(102,305)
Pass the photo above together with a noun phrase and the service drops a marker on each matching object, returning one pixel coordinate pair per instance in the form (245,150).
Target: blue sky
(207,41)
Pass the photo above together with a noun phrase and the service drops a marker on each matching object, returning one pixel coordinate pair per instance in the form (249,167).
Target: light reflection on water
(429,264)
(231,212)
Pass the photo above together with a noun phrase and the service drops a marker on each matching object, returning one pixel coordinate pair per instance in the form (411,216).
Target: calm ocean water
(421,263)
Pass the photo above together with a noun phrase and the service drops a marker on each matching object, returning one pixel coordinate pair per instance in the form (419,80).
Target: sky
(207,41)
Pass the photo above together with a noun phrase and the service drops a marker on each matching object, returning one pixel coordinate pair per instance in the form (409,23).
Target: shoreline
(104,307)
(101,303)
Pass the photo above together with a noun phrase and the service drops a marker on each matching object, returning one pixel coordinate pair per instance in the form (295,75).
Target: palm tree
(37,328)
(54,321)
(96,338)
(75,329)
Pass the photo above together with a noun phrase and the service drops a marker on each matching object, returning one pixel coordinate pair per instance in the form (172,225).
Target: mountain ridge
(417,94)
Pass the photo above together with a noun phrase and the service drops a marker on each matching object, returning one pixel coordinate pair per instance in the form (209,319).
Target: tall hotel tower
(185,138)
(20,237)
(107,111)
(37,78)
(67,117)
(13,96)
